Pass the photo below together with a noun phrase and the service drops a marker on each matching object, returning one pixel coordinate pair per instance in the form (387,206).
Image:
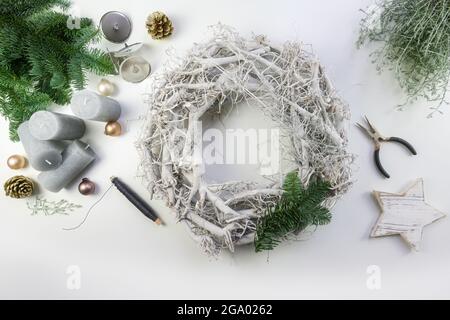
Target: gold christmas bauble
(159,25)
(113,128)
(105,87)
(17,162)
(19,187)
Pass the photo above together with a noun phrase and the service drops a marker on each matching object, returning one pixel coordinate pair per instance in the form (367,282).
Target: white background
(123,255)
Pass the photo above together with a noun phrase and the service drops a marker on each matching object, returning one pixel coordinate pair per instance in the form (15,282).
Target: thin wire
(89,211)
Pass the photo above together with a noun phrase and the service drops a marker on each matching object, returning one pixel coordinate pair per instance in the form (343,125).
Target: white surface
(123,255)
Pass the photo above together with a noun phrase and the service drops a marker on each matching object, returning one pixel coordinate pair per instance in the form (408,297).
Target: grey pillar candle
(42,155)
(76,157)
(46,125)
(89,105)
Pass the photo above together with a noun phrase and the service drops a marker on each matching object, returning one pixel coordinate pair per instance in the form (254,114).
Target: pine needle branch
(25,8)
(297,209)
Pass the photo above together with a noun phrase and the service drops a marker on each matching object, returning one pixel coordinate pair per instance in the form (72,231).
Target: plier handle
(373,133)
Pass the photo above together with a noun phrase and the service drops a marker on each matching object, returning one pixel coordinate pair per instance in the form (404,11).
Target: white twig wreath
(288,85)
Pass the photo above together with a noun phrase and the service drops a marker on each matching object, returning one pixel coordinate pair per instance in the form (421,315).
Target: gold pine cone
(159,25)
(19,187)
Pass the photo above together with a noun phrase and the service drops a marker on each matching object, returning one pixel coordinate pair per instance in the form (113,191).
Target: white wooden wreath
(287,83)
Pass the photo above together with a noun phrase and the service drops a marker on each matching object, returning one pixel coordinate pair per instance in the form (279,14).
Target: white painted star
(405,214)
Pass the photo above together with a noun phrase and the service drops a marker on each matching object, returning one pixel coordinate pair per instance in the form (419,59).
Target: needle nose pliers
(373,133)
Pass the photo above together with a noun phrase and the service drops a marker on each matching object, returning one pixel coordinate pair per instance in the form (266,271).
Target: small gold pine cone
(159,25)
(19,187)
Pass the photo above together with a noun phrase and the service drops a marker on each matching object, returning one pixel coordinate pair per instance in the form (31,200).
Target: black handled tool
(378,139)
(137,201)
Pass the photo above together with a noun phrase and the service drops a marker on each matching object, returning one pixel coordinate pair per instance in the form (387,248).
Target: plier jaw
(372,132)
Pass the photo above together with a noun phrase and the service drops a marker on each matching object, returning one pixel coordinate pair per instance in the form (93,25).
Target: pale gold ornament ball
(113,128)
(17,162)
(105,87)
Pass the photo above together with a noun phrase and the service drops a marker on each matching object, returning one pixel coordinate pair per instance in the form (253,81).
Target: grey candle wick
(116,26)
(87,147)
(48,162)
(136,69)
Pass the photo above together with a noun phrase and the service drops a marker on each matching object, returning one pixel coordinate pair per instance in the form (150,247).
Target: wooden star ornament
(405,214)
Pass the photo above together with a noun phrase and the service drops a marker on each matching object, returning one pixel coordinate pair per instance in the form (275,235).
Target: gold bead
(113,128)
(105,87)
(17,162)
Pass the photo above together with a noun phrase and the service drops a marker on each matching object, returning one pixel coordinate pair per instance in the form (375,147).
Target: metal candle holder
(116,28)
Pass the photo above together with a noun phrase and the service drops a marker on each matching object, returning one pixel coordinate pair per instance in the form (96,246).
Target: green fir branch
(25,8)
(297,209)
(18,101)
